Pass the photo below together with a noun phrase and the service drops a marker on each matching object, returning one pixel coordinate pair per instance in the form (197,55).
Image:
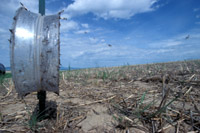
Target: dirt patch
(97,117)
(144,98)
(12,108)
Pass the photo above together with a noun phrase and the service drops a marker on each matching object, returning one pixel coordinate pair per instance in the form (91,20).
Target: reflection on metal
(23,33)
(35,52)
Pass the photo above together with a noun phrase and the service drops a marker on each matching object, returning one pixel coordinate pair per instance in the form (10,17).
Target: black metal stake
(41,95)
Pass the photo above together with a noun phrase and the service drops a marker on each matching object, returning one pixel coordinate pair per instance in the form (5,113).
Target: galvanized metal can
(35,52)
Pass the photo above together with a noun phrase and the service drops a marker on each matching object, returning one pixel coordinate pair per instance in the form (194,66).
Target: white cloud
(63,3)
(178,40)
(2,30)
(159,51)
(10,6)
(69,25)
(32,5)
(196,35)
(85,25)
(165,43)
(196,9)
(79,51)
(66,15)
(93,40)
(197,22)
(51,1)
(123,9)
(171,43)
(127,38)
(102,40)
(73,47)
(82,31)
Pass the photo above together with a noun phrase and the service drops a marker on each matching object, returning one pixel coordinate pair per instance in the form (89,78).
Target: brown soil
(143,98)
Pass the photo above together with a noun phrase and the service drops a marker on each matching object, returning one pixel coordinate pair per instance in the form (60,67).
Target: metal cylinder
(35,52)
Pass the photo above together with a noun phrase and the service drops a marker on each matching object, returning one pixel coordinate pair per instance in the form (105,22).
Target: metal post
(41,95)
(42,7)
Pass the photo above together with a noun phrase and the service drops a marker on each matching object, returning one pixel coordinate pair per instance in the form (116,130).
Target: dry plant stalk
(98,101)
(165,93)
(64,79)
(168,126)
(9,91)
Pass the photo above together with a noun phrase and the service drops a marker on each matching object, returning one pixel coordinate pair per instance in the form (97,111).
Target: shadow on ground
(49,112)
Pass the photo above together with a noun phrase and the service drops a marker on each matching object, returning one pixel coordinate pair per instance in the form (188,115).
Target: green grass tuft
(3,77)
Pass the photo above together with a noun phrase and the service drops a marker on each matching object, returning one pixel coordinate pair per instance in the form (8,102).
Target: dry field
(161,97)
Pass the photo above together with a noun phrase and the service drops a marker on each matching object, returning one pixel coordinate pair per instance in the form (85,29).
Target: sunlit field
(162,97)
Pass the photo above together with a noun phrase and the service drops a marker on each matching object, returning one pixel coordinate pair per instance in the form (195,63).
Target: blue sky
(139,31)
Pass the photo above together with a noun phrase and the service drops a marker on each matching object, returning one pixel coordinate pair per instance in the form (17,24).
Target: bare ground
(143,98)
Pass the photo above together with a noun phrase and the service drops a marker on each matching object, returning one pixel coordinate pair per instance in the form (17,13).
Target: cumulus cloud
(79,51)
(85,25)
(123,9)
(69,25)
(86,55)
(10,6)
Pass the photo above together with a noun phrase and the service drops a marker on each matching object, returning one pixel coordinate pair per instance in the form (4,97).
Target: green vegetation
(4,77)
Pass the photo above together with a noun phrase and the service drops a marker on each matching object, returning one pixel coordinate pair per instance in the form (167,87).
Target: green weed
(4,77)
(34,119)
